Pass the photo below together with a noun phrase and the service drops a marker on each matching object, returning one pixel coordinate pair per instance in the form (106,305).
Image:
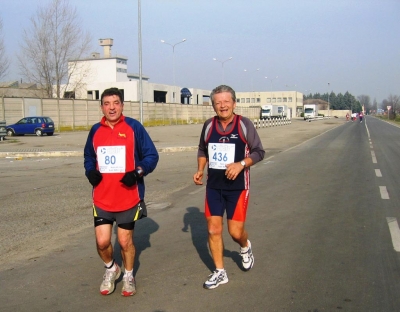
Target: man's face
(112,108)
(224,105)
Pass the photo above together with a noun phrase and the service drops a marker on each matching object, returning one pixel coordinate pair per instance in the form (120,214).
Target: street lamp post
(173,55)
(252,89)
(328,100)
(222,63)
(271,81)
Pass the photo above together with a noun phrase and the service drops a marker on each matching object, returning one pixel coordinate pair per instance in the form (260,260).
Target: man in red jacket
(117,155)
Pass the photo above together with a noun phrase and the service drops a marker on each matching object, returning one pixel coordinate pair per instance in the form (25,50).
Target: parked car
(32,125)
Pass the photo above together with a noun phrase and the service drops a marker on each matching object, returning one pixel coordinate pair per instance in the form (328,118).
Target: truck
(265,112)
(282,111)
(310,111)
(273,111)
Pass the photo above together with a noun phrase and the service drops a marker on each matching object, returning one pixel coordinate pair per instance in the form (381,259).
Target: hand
(94,177)
(233,170)
(197,177)
(130,178)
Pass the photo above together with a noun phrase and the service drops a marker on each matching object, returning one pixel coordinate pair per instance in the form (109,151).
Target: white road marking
(267,162)
(384,192)
(378,173)
(394,232)
(198,190)
(373,157)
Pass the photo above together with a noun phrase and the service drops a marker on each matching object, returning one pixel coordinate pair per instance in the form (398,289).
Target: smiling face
(112,108)
(224,106)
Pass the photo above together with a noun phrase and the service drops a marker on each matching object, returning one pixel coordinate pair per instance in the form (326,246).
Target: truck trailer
(273,111)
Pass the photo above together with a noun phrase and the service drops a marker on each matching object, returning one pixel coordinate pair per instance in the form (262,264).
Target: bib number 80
(110,160)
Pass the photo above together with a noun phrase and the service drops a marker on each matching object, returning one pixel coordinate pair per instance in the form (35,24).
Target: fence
(71,114)
(264,123)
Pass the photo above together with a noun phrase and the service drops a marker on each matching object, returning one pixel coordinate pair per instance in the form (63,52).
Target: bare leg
(125,239)
(214,224)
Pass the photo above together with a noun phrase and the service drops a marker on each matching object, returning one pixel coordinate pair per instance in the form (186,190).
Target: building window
(284,99)
(273,100)
(247,100)
(268,100)
(242,100)
(252,100)
(121,70)
(258,100)
(279,100)
(237,100)
(290,99)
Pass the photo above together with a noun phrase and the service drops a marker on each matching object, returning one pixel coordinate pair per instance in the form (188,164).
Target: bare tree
(55,36)
(394,102)
(365,101)
(3,58)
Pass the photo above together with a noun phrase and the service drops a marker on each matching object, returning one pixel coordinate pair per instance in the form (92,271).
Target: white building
(293,99)
(90,77)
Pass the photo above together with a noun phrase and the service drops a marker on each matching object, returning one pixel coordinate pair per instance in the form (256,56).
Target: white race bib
(111,159)
(220,154)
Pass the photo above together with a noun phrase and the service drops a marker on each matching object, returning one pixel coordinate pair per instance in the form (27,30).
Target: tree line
(337,101)
(348,101)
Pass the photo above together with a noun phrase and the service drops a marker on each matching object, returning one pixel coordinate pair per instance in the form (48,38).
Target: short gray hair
(220,89)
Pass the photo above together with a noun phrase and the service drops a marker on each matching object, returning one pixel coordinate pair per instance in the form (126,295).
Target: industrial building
(91,76)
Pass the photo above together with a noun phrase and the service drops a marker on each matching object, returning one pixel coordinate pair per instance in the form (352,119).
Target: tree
(55,36)
(365,102)
(394,102)
(374,106)
(3,59)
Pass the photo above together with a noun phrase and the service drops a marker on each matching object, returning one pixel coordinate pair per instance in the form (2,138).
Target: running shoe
(129,286)
(215,279)
(247,257)
(107,287)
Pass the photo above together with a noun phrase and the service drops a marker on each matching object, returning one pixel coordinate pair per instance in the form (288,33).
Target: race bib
(220,154)
(111,159)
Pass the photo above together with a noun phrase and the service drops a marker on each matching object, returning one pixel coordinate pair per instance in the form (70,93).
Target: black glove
(94,177)
(130,178)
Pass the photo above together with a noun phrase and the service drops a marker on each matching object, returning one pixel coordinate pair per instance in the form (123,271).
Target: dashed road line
(394,232)
(384,192)
(378,173)
(373,157)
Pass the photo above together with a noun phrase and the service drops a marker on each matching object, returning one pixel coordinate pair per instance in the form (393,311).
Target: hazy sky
(351,44)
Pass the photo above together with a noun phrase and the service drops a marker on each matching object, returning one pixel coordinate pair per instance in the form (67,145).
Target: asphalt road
(318,222)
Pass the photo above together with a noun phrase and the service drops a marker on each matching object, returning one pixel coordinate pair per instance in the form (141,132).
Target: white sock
(245,249)
(112,264)
(219,270)
(128,272)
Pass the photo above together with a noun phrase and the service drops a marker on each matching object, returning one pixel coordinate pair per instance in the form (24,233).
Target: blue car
(32,125)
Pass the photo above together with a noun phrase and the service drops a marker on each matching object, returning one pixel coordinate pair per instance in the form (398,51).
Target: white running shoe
(129,286)
(107,287)
(215,279)
(247,257)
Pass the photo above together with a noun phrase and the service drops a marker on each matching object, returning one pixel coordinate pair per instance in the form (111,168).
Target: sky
(308,46)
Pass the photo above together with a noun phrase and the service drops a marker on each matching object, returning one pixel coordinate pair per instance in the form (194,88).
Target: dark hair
(112,91)
(220,89)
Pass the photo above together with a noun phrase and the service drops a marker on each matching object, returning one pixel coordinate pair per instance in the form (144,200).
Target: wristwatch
(243,163)
(140,171)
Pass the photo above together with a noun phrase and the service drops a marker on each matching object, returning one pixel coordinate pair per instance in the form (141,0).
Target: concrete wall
(70,114)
